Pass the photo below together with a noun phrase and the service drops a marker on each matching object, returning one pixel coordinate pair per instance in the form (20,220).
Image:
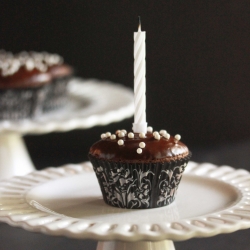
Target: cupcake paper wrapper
(31,102)
(21,103)
(139,185)
(57,94)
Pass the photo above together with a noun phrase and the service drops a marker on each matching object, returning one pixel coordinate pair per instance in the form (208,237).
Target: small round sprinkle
(177,137)
(131,135)
(157,136)
(124,131)
(120,142)
(113,137)
(121,134)
(108,134)
(139,150)
(156,132)
(162,132)
(117,131)
(142,135)
(167,136)
(142,144)
(103,136)
(150,129)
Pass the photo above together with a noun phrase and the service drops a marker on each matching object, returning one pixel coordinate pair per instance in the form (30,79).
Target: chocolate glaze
(45,68)
(155,150)
(34,78)
(25,79)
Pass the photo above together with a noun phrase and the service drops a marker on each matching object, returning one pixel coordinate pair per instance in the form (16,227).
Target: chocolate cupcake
(31,83)
(137,170)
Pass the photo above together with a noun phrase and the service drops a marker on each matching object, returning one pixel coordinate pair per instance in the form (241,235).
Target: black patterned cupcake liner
(22,103)
(16,104)
(57,94)
(139,185)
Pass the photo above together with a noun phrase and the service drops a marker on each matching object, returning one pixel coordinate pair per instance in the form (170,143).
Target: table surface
(233,154)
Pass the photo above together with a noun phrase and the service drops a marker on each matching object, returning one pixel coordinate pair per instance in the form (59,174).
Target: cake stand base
(139,245)
(14,157)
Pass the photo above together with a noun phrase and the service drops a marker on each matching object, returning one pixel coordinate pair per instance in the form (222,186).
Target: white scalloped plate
(91,103)
(67,201)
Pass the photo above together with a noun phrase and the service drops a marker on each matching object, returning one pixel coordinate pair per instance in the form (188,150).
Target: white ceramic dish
(67,201)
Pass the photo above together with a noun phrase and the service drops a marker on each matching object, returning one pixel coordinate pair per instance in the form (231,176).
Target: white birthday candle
(140,124)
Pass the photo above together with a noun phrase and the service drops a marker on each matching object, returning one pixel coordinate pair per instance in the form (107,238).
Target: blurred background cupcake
(31,83)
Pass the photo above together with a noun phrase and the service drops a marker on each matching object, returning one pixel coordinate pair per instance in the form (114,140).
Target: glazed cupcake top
(30,69)
(133,147)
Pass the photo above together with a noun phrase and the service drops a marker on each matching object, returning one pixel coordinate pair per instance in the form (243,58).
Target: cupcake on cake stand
(67,201)
(91,103)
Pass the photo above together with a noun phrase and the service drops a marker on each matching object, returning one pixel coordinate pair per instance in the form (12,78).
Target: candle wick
(139,26)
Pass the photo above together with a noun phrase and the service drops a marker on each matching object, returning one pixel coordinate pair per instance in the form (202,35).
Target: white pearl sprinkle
(131,135)
(139,150)
(30,64)
(124,131)
(142,144)
(108,134)
(103,136)
(113,137)
(156,132)
(142,135)
(120,142)
(150,129)
(121,134)
(157,136)
(117,131)
(167,136)
(162,132)
(10,64)
(177,137)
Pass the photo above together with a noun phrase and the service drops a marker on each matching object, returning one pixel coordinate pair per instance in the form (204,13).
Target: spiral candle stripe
(140,124)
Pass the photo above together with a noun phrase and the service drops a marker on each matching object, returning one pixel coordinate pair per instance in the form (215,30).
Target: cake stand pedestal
(14,158)
(140,245)
(67,201)
(91,103)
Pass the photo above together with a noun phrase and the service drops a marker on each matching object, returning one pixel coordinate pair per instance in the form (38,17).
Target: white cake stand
(91,103)
(67,201)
